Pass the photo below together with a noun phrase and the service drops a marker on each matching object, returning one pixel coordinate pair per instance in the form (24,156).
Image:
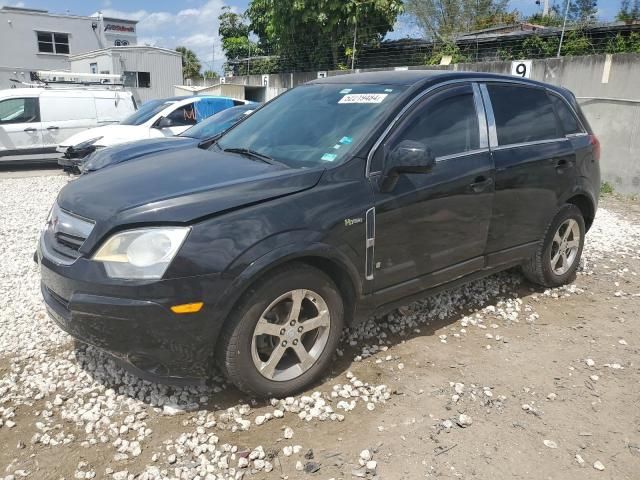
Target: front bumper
(134,322)
(70,162)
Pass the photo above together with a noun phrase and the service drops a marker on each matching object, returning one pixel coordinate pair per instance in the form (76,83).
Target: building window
(137,79)
(117,43)
(93,67)
(144,79)
(50,42)
(125,43)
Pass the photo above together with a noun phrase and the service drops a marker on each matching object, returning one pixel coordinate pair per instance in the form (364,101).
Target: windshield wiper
(253,154)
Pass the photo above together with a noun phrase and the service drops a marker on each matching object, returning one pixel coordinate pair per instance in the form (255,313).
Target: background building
(149,72)
(33,40)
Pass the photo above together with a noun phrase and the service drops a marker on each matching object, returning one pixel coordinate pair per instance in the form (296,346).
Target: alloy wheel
(565,246)
(290,335)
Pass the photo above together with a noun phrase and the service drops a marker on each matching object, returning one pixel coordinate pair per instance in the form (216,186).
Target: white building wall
(19,42)
(164,66)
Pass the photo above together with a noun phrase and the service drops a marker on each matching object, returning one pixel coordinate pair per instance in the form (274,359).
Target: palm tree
(190,63)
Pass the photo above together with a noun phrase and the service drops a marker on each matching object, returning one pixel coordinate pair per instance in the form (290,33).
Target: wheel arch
(586,206)
(325,258)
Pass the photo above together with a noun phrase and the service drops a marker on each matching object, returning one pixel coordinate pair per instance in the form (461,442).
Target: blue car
(200,135)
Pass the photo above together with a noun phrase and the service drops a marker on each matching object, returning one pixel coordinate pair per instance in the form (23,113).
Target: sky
(194,23)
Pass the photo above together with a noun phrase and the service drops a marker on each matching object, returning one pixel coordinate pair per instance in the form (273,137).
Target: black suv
(340,199)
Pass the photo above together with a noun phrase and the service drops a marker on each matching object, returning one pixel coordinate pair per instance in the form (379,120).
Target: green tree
(209,74)
(190,64)
(234,32)
(445,19)
(629,13)
(316,34)
(583,11)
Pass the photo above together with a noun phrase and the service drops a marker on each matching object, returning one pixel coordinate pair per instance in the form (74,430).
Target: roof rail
(63,79)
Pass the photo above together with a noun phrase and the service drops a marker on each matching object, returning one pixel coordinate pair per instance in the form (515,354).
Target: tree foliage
(234,32)
(190,64)
(318,34)
(629,12)
(443,20)
(583,11)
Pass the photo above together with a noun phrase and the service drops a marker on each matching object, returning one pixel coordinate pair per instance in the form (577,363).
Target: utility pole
(355,36)
(564,26)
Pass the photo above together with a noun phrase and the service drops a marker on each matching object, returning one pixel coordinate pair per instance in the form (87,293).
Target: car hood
(177,188)
(128,151)
(110,135)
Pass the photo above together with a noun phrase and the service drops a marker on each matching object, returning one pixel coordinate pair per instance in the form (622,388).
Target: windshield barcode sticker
(363,98)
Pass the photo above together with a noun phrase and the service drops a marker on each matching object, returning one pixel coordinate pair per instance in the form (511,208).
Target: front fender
(245,270)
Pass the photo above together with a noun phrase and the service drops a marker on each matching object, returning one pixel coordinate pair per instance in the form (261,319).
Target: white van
(34,121)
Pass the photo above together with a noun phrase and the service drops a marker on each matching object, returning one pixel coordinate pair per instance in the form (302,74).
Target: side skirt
(501,261)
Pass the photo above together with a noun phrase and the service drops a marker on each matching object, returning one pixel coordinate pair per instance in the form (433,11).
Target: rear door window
(522,114)
(568,120)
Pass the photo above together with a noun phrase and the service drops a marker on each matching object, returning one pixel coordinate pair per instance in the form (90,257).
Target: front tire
(282,335)
(558,256)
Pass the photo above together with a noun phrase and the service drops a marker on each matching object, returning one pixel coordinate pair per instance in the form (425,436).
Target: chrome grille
(64,234)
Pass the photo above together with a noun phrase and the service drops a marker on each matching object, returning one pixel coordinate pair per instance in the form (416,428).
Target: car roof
(419,77)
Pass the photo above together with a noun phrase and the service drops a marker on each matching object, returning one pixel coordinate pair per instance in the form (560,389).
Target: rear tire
(558,256)
(266,348)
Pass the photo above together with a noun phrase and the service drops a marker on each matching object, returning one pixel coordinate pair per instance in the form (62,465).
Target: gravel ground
(495,379)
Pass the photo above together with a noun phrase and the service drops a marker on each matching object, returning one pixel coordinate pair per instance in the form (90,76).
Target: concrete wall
(607,87)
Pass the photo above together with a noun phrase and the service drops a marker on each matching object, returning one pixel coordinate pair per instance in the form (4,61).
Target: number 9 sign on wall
(521,68)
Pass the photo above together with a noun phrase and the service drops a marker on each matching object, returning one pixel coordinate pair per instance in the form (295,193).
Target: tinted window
(185,115)
(447,123)
(567,118)
(19,110)
(522,114)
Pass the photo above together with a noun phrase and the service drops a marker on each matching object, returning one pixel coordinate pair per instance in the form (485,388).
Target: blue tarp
(207,107)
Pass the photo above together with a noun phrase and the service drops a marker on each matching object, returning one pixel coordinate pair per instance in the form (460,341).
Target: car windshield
(312,125)
(219,122)
(146,111)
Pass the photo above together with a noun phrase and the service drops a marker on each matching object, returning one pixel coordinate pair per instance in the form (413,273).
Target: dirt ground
(548,394)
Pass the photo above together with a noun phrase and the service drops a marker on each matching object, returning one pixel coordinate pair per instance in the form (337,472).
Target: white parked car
(34,121)
(154,119)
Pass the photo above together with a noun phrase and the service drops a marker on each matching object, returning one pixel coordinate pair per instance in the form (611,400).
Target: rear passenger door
(432,227)
(534,161)
(64,114)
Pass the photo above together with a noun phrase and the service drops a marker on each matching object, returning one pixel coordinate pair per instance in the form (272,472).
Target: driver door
(20,127)
(432,227)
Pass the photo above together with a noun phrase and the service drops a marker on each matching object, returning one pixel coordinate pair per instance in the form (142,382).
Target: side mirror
(407,157)
(164,122)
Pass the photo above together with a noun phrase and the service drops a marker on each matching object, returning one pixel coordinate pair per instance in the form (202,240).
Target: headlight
(144,253)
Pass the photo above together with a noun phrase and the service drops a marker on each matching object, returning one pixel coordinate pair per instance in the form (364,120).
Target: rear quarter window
(568,120)
(522,114)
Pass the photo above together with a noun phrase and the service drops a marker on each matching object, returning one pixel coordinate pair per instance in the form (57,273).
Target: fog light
(187,307)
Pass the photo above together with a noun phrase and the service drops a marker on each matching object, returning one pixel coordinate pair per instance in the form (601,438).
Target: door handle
(481,183)
(53,127)
(30,129)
